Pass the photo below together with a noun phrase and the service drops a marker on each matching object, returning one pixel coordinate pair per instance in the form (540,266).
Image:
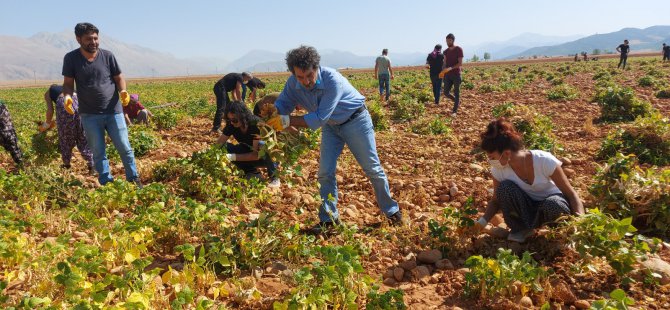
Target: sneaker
(453,114)
(396,219)
(520,236)
(323,228)
(275,183)
(450,96)
(65,166)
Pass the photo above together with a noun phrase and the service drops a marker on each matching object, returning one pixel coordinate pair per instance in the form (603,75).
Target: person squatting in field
(8,138)
(135,112)
(434,63)
(68,125)
(530,186)
(231,82)
(336,107)
(243,126)
(451,68)
(101,89)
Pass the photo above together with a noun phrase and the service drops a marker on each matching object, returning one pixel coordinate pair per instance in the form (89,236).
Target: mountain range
(41,55)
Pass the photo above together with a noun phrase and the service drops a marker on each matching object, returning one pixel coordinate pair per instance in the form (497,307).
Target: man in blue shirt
(336,107)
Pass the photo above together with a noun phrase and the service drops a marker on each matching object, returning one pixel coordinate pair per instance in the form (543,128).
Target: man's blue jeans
(384,84)
(95,126)
(359,135)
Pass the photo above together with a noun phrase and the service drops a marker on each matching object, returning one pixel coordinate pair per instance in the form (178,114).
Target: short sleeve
(228,130)
(68,66)
(549,164)
(113,65)
(460,52)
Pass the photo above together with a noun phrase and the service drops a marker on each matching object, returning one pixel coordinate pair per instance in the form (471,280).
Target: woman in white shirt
(530,186)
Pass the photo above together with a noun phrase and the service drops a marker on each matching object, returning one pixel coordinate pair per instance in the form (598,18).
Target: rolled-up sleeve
(331,97)
(285,104)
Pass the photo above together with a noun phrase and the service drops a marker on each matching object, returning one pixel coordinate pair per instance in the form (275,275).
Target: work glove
(67,104)
(231,157)
(480,224)
(279,122)
(443,72)
(44,126)
(125,98)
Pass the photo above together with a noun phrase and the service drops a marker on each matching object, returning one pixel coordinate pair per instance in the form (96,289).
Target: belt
(353,115)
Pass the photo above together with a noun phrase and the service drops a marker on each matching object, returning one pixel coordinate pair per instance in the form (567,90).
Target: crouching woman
(530,186)
(243,126)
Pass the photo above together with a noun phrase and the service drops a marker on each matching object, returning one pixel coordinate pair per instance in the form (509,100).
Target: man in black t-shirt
(666,52)
(253,84)
(231,82)
(101,89)
(434,63)
(623,49)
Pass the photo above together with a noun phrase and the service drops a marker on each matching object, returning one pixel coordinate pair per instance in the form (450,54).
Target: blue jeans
(437,87)
(384,84)
(95,126)
(359,135)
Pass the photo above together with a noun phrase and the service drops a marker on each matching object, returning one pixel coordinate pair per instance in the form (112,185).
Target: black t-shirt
(253,83)
(666,49)
(54,92)
(229,81)
(243,138)
(435,63)
(624,49)
(96,88)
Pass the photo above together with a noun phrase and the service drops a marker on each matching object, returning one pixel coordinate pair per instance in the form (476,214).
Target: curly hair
(243,113)
(303,57)
(500,135)
(85,28)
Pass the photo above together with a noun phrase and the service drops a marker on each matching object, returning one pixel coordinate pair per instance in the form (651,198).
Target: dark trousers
(222,100)
(251,166)
(8,138)
(666,56)
(437,87)
(455,81)
(622,60)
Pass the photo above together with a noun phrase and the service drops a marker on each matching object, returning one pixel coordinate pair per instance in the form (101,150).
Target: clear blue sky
(228,29)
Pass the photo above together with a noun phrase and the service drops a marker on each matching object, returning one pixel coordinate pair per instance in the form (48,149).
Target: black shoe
(323,228)
(65,166)
(396,219)
(450,96)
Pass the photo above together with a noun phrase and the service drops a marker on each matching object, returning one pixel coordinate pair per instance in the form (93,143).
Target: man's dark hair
(385,51)
(303,57)
(85,28)
(451,36)
(438,47)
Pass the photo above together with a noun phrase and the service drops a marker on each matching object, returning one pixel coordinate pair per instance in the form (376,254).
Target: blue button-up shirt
(331,101)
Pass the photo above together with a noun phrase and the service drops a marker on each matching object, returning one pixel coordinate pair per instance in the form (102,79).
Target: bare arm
(298,121)
(237,92)
(68,86)
(222,140)
(390,70)
(561,181)
(376,67)
(251,156)
(493,206)
(50,107)
(128,122)
(120,82)
(459,64)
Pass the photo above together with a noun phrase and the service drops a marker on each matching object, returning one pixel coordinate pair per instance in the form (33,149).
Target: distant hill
(648,39)
(41,57)
(267,61)
(515,45)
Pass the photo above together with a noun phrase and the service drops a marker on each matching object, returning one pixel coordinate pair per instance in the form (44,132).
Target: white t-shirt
(544,165)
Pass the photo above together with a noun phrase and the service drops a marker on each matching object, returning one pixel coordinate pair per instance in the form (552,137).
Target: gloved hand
(125,98)
(231,157)
(44,126)
(67,104)
(279,122)
(443,72)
